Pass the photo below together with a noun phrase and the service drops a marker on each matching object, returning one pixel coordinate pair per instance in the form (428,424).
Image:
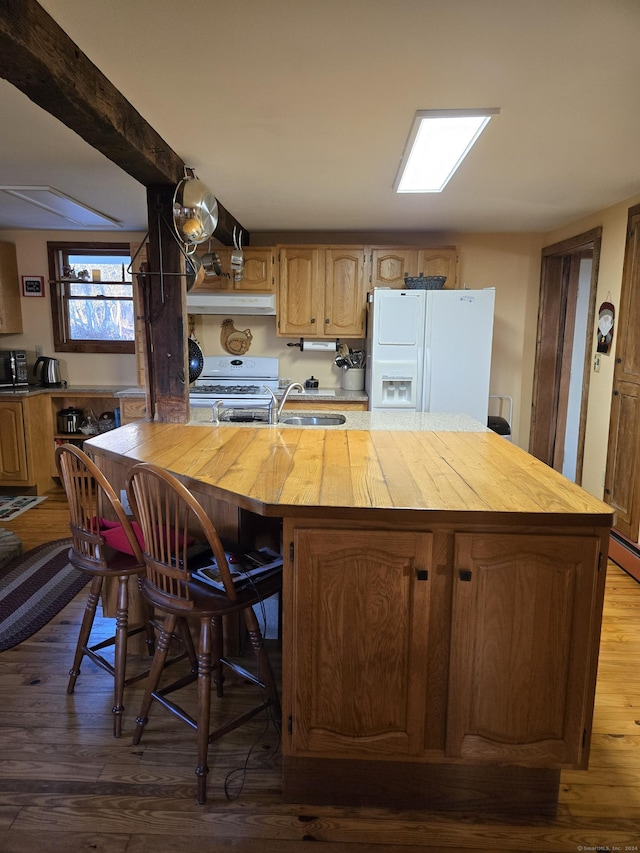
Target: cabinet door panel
(520,648)
(440,262)
(300,296)
(10,306)
(360,642)
(258,271)
(344,294)
(13,454)
(389,266)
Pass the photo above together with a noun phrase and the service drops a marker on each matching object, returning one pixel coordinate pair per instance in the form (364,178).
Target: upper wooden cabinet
(10,310)
(322,291)
(390,264)
(258,273)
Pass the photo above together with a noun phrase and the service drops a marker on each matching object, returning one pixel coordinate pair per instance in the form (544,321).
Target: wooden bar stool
(169,516)
(90,495)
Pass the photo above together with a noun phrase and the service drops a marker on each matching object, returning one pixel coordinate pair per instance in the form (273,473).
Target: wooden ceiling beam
(40,59)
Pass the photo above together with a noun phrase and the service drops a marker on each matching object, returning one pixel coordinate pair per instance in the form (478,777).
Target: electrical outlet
(39,350)
(124,500)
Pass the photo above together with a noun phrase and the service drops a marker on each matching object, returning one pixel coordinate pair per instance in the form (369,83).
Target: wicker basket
(424,282)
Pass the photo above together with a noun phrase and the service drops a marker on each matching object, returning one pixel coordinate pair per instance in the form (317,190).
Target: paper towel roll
(319,346)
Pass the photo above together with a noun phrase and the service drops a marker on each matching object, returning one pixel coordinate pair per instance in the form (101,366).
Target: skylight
(438,142)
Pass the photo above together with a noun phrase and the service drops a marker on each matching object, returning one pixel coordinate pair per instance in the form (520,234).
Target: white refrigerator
(430,351)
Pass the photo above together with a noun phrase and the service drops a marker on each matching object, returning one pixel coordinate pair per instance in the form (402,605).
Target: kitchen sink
(314,420)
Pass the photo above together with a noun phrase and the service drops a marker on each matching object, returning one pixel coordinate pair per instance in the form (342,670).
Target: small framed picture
(33,285)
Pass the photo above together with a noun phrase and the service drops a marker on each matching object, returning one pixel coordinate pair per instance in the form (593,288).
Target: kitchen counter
(319,395)
(395,421)
(327,395)
(64,391)
(441,603)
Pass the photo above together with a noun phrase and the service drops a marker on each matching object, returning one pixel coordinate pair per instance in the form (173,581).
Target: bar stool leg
(85,630)
(120,653)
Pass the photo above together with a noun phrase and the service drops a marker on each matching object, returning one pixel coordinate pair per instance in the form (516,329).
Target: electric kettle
(49,372)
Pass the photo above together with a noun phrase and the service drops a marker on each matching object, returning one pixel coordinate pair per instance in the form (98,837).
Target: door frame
(558,295)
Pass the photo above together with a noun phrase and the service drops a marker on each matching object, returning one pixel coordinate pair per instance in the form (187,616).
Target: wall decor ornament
(606,319)
(32,285)
(233,340)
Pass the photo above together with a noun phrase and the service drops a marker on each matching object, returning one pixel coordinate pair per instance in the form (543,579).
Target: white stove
(239,382)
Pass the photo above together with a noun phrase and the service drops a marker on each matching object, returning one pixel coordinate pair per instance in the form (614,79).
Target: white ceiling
(295,112)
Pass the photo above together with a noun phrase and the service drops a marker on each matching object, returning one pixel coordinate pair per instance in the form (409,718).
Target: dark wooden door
(622,486)
(555,338)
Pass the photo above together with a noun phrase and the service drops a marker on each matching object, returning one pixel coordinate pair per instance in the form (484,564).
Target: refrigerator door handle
(425,385)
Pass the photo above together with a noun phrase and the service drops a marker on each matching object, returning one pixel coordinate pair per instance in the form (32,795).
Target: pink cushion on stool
(116,538)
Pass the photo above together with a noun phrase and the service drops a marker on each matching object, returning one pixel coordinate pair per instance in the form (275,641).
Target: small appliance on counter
(13,368)
(68,420)
(49,372)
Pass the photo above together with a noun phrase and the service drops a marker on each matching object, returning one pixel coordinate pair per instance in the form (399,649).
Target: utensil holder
(353,379)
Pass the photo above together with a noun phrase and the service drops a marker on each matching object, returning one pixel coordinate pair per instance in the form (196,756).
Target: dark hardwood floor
(67,785)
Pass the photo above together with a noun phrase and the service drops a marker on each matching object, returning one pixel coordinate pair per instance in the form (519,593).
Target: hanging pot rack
(201,207)
(195,211)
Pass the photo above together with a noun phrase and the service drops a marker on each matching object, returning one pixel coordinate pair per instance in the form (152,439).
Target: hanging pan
(196,360)
(195,212)
(195,271)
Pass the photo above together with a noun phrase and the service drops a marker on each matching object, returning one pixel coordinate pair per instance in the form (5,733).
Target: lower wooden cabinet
(361,641)
(476,647)
(132,409)
(13,453)
(25,442)
(339,404)
(522,622)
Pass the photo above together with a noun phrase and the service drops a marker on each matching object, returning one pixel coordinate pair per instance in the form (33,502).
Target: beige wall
(76,368)
(613,221)
(508,262)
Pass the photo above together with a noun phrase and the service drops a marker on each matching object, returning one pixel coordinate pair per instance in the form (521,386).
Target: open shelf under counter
(97,398)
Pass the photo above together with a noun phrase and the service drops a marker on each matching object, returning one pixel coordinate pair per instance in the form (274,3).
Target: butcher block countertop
(286,471)
(447,579)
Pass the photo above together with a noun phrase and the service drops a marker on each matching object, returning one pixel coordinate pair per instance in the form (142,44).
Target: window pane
(101,320)
(92,297)
(108,268)
(90,288)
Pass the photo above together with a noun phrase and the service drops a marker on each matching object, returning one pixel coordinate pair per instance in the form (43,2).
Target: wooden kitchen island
(442,604)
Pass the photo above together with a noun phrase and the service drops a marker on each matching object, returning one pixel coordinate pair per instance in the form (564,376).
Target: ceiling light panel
(61,205)
(438,142)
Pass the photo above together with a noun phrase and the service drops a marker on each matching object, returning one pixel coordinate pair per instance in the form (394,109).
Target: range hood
(231,303)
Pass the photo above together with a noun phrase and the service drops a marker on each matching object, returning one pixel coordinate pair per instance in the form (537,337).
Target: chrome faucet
(217,405)
(275,408)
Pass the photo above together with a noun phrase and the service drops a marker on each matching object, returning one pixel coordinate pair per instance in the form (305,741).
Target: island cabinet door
(525,634)
(359,646)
